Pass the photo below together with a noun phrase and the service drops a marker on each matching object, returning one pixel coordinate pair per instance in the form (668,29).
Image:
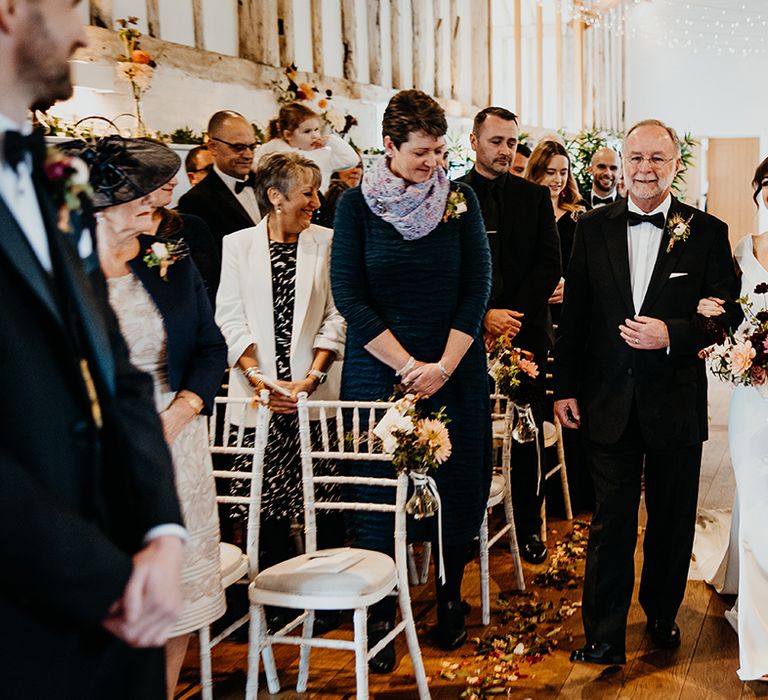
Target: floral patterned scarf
(413,209)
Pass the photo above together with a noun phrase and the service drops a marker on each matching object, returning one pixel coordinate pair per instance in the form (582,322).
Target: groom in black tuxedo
(628,376)
(90,528)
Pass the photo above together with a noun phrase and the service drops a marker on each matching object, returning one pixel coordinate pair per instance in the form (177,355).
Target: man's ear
(9,11)
(473,140)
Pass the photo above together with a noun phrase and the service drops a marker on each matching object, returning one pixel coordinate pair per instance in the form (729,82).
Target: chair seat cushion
(497,490)
(330,572)
(550,434)
(234,564)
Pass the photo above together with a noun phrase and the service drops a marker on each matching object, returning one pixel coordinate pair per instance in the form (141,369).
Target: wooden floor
(704,668)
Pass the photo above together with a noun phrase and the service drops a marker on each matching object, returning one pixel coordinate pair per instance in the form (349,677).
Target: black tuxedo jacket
(215,204)
(595,366)
(75,501)
(526,259)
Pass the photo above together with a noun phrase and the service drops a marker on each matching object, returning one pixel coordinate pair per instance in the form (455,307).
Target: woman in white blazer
(275,308)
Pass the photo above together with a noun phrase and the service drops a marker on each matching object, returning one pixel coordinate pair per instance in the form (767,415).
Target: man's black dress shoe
(325,621)
(598,653)
(384,661)
(450,632)
(534,551)
(665,634)
(277,618)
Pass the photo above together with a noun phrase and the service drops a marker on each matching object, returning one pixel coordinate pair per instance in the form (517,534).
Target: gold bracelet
(195,403)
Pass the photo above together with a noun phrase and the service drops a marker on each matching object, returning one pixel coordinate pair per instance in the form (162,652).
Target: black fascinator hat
(122,169)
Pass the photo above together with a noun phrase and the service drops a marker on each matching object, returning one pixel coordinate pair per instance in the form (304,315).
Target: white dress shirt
(643,241)
(247,196)
(18,193)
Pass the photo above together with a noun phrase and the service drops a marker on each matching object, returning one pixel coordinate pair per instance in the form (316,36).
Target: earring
(278,209)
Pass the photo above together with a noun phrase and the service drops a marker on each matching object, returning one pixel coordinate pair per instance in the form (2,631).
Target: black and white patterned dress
(282,493)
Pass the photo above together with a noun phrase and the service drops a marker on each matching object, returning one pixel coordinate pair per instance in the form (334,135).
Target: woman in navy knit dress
(410,272)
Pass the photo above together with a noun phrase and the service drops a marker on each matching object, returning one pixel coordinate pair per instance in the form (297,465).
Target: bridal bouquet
(417,443)
(741,356)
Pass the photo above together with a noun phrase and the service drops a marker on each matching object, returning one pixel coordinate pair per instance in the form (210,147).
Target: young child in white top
(298,128)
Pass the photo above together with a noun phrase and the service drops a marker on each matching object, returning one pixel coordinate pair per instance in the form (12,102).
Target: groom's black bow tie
(596,201)
(16,146)
(250,181)
(656,220)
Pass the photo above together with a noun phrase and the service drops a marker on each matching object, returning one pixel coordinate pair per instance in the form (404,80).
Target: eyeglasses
(653,161)
(237,147)
(205,169)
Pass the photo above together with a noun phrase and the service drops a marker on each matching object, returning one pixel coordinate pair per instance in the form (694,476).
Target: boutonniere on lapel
(455,205)
(679,229)
(67,181)
(163,255)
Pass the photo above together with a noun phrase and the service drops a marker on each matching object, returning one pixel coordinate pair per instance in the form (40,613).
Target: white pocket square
(678,274)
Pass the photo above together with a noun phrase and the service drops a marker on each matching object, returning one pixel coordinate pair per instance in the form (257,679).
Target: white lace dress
(143,330)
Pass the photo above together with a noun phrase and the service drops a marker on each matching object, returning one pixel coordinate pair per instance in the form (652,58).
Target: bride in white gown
(748,442)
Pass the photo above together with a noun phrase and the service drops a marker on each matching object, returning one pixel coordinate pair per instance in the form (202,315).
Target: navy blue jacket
(197,353)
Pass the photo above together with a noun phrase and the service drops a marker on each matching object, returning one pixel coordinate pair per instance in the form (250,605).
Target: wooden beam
(480,91)
(100,14)
(489,51)
(559,63)
(246,30)
(374,42)
(578,71)
(258,31)
(349,39)
(285,33)
(316,10)
(197,20)
(418,37)
(455,48)
(539,65)
(440,27)
(519,61)
(394,33)
(153,18)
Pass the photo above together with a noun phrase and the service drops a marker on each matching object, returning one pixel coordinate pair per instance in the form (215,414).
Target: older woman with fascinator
(411,274)
(166,319)
(275,308)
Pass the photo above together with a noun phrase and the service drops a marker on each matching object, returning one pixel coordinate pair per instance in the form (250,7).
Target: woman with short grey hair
(276,311)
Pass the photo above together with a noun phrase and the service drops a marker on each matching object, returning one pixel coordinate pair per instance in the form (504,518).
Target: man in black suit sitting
(225,199)
(525,252)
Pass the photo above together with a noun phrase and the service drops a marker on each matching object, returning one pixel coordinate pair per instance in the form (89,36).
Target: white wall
(693,87)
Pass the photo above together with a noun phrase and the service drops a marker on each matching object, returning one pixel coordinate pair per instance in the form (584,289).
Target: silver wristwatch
(317,374)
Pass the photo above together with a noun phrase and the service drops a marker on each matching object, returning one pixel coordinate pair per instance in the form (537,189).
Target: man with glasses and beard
(628,376)
(90,530)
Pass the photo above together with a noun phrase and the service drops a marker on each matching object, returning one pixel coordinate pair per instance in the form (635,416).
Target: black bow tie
(16,146)
(596,201)
(250,181)
(657,220)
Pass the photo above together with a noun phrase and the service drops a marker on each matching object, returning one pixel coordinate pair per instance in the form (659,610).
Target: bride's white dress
(748,442)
